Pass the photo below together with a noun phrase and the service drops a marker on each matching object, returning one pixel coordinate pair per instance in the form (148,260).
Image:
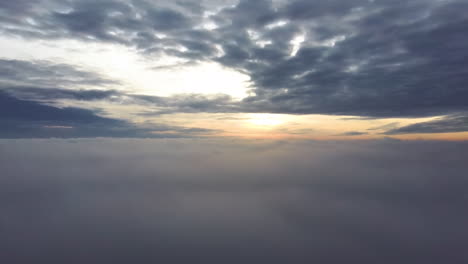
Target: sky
(233,131)
(358,69)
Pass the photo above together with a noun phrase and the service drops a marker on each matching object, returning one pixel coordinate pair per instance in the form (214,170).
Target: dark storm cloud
(180,201)
(455,123)
(362,58)
(29,119)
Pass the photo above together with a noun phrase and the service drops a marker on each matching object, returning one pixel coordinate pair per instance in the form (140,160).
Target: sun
(265,120)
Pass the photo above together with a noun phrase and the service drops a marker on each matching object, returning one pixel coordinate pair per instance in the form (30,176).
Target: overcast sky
(249,68)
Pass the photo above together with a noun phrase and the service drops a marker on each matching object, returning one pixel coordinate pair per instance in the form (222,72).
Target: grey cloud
(47,74)
(131,23)
(192,6)
(184,103)
(189,103)
(361,58)
(52,83)
(29,119)
(179,201)
(385,127)
(53,94)
(166,19)
(16,6)
(380,81)
(353,133)
(102,20)
(454,123)
(303,10)
(246,13)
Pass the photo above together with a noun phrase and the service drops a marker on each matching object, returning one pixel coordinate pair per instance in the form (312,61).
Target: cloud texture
(367,58)
(375,59)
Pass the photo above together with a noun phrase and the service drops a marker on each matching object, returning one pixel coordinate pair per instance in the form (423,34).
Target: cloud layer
(179,201)
(369,58)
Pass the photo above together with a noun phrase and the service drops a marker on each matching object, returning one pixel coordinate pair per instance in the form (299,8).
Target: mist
(232,201)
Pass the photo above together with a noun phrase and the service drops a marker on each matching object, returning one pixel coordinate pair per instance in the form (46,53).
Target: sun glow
(265,120)
(151,75)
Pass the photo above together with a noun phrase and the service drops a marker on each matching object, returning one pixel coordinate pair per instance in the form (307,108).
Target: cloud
(353,133)
(45,81)
(385,127)
(52,94)
(182,103)
(50,82)
(448,124)
(29,119)
(189,103)
(367,71)
(47,74)
(361,58)
(176,201)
